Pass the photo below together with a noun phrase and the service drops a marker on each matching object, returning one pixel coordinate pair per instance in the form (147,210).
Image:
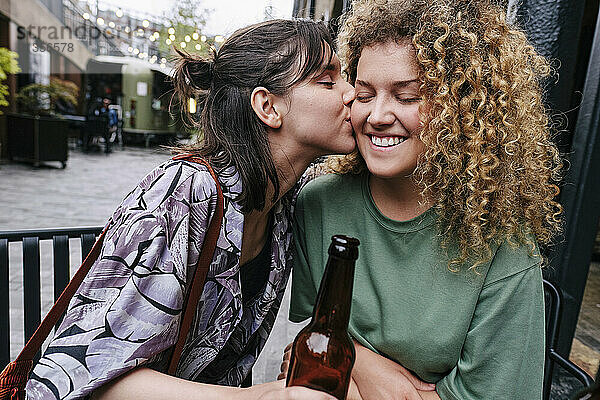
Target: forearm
(147,384)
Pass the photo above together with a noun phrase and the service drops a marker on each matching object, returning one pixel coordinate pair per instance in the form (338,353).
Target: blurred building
(67,39)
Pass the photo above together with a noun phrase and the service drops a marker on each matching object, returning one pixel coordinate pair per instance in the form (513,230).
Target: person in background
(451,193)
(272,100)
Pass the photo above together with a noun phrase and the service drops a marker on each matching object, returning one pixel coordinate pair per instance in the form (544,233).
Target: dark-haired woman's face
(318,116)
(385,114)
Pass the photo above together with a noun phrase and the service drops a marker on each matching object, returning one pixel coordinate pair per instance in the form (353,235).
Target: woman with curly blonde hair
(451,193)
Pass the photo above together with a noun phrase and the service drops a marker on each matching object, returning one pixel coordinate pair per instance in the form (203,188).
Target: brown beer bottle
(323,353)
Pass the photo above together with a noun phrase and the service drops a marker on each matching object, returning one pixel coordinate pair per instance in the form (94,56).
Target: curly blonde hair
(490,163)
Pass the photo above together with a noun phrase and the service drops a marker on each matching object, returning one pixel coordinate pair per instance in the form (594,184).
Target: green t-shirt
(477,336)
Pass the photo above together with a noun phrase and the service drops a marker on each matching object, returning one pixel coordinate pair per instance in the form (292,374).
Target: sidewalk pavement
(85,194)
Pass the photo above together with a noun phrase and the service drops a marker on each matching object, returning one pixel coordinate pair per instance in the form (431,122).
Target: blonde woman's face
(385,113)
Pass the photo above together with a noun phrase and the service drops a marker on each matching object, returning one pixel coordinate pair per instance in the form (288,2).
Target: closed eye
(408,100)
(363,98)
(326,83)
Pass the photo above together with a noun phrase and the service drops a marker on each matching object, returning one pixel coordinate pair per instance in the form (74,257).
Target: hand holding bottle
(277,391)
(381,378)
(322,355)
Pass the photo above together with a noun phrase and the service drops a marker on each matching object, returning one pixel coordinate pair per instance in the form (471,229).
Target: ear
(263,104)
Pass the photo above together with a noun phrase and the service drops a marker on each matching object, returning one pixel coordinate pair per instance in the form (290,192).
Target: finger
(411,394)
(281,376)
(288,347)
(287,355)
(416,382)
(407,390)
(284,366)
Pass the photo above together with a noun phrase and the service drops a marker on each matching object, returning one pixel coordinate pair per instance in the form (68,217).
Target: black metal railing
(31,274)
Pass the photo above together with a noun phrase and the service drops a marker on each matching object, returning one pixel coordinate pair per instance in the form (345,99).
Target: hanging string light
(192,105)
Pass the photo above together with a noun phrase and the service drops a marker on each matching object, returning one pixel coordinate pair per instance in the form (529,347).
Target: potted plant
(38,134)
(8,65)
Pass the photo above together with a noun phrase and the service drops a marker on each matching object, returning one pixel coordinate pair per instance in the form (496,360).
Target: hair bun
(200,73)
(195,71)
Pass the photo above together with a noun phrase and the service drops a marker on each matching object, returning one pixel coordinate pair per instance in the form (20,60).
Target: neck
(290,164)
(399,199)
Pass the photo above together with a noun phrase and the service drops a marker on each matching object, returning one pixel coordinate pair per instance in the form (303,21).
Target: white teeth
(386,142)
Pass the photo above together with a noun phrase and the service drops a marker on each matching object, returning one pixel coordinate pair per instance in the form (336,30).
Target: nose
(348,95)
(381,113)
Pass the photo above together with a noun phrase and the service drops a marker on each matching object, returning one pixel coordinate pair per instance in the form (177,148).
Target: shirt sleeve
(304,292)
(503,353)
(128,308)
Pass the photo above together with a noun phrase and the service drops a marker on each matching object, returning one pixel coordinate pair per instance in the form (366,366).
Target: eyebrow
(399,84)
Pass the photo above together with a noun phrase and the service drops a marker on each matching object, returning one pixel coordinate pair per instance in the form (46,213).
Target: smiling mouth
(386,141)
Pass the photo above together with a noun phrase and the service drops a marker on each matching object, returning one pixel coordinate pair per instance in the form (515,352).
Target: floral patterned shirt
(128,309)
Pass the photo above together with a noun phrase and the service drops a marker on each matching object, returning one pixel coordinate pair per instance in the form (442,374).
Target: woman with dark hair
(272,100)
(451,191)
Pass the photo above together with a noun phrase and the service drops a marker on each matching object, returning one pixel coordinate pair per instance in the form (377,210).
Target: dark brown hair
(277,55)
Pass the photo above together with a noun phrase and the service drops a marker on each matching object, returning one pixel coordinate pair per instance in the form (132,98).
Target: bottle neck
(332,310)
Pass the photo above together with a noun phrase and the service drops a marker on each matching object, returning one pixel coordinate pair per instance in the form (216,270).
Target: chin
(384,172)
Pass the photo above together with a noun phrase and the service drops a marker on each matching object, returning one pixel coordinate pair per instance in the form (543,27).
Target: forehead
(388,60)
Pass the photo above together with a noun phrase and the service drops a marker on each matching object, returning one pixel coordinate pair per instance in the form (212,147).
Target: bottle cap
(344,246)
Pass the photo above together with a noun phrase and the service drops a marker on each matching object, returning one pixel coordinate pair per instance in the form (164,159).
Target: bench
(61,260)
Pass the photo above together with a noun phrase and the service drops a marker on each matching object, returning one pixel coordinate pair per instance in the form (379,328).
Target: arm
(144,383)
(503,353)
(127,309)
(376,377)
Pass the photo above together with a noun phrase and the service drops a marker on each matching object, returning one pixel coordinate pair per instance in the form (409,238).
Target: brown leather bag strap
(41,333)
(206,255)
